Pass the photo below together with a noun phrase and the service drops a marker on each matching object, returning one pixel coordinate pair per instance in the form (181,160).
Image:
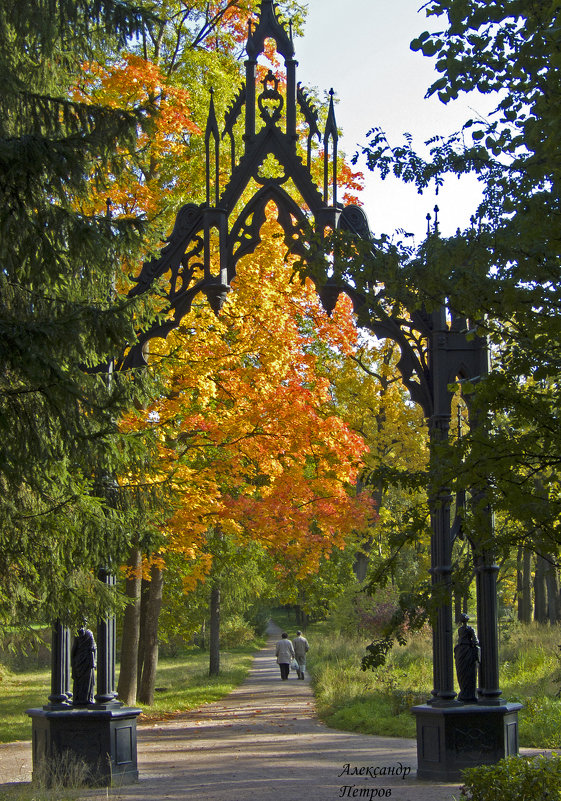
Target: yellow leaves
(245,428)
(249,436)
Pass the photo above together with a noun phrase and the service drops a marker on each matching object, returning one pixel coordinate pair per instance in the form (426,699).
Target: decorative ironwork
(270,101)
(212,134)
(230,119)
(331,135)
(311,115)
(186,258)
(434,348)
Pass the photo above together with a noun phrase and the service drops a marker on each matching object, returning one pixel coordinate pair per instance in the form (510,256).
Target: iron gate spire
(280,123)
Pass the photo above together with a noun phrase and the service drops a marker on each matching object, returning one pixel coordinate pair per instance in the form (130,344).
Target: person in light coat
(285,654)
(301,648)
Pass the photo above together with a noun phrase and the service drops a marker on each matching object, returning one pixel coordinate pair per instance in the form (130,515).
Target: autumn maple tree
(249,444)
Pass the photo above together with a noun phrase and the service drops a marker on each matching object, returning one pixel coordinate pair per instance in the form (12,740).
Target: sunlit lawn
(18,692)
(378,702)
(182,684)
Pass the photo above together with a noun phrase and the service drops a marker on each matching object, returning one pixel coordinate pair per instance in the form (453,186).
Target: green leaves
(58,313)
(514,778)
(504,270)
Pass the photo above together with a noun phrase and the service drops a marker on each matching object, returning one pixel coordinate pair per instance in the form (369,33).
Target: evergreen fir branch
(49,22)
(25,113)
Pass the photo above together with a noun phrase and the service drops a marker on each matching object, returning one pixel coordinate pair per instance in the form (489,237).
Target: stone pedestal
(102,739)
(452,738)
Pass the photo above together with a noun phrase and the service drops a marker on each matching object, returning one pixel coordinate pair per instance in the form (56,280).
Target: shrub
(515,779)
(236,631)
(375,612)
(361,614)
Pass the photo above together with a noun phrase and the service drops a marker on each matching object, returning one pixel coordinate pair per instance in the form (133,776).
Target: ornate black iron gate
(201,257)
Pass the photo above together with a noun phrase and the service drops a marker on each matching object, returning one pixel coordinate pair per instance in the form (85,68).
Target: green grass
(378,702)
(531,674)
(20,691)
(183,683)
(30,793)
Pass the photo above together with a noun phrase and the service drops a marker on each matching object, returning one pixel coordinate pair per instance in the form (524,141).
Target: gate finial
(331,134)
(269,27)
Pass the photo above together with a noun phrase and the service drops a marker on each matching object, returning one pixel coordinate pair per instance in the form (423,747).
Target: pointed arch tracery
(428,344)
(246,231)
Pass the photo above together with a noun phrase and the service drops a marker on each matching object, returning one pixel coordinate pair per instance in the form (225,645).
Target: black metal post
(441,572)
(60,666)
(106,652)
(250,78)
(487,615)
(485,565)
(291,99)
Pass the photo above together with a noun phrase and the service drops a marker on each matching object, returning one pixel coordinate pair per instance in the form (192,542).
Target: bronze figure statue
(467,656)
(83,660)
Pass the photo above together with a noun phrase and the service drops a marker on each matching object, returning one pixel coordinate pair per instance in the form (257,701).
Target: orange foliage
(248,436)
(352,182)
(131,83)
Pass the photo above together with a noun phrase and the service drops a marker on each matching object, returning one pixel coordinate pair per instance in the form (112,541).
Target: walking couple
(295,651)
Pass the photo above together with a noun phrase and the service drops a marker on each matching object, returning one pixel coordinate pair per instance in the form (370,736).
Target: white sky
(361,49)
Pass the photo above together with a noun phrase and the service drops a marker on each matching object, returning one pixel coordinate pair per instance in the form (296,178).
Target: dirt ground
(261,743)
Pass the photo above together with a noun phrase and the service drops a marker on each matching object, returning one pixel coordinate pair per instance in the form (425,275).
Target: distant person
(301,648)
(285,654)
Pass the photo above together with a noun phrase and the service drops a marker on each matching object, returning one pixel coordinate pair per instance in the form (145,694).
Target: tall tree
(193,45)
(503,272)
(59,317)
(250,440)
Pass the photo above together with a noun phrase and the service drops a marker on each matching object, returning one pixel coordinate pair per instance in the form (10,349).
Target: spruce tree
(61,322)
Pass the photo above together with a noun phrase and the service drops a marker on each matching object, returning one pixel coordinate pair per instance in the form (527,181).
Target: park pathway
(262,743)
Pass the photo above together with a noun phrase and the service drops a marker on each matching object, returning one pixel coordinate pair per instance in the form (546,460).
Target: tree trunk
(150,637)
(360,567)
(552,589)
(458,606)
(524,585)
(214,637)
(144,592)
(128,672)
(362,557)
(540,596)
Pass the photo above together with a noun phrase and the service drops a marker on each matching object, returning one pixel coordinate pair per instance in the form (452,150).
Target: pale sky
(361,49)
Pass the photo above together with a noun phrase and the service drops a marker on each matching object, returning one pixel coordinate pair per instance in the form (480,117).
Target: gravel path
(261,743)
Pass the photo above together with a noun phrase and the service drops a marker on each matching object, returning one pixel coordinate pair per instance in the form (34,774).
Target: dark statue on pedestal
(83,660)
(467,655)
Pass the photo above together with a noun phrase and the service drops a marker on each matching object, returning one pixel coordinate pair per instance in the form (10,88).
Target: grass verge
(378,702)
(182,684)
